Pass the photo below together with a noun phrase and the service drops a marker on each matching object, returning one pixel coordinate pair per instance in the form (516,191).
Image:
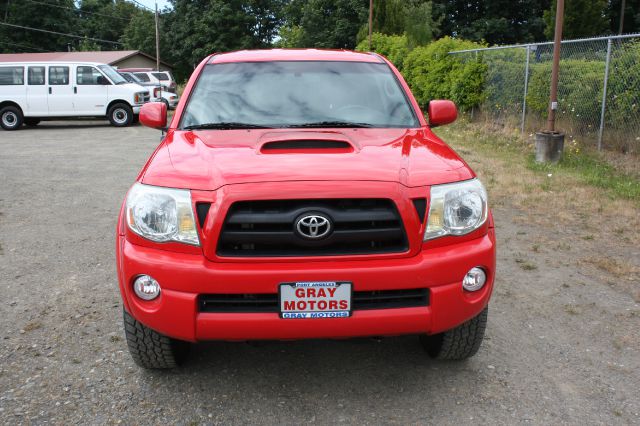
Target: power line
(142,5)
(24,46)
(63,34)
(77,10)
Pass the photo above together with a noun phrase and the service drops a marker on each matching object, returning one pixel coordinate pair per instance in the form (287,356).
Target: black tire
(459,343)
(28,121)
(136,119)
(150,349)
(11,118)
(120,115)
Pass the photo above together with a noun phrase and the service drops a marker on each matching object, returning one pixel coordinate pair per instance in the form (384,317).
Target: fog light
(474,280)
(146,288)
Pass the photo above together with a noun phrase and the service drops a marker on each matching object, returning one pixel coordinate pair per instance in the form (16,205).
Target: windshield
(112,74)
(129,77)
(302,93)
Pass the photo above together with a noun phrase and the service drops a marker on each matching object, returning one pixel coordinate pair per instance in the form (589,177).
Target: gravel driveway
(63,358)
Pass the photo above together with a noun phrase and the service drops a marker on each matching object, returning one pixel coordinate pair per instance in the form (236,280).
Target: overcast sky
(152,3)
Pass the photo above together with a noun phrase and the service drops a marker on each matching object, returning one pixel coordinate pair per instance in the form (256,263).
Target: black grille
(256,303)
(267,228)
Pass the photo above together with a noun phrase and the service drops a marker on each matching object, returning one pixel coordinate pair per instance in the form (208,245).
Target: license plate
(315,299)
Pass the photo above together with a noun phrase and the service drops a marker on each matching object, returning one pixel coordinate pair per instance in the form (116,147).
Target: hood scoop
(306,141)
(306,145)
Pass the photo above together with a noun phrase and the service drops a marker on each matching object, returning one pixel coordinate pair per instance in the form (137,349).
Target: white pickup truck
(35,91)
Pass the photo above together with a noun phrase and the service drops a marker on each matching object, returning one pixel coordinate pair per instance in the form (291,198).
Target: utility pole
(550,143)
(158,53)
(622,7)
(370,21)
(157,41)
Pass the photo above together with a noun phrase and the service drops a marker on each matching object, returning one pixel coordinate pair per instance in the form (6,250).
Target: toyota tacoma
(302,194)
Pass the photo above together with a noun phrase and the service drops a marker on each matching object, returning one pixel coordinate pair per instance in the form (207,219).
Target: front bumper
(136,109)
(184,276)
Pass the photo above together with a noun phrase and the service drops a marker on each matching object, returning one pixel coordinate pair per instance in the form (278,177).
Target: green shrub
(623,90)
(394,48)
(579,91)
(434,74)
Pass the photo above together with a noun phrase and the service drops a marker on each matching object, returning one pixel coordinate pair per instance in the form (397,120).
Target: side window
(88,76)
(11,76)
(35,76)
(142,76)
(58,76)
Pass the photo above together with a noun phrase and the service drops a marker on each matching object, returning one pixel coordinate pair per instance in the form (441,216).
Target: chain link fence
(598,89)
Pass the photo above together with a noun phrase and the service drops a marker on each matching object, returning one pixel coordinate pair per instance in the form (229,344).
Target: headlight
(138,98)
(161,214)
(456,209)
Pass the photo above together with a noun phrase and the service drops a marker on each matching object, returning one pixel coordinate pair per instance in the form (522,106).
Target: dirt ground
(562,342)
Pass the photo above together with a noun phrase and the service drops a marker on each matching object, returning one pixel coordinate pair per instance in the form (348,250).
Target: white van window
(160,76)
(58,75)
(88,76)
(142,76)
(11,76)
(35,76)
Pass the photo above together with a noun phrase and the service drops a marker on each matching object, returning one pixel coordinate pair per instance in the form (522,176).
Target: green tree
(496,21)
(60,19)
(201,27)
(582,18)
(420,26)
(106,19)
(631,16)
(326,23)
(140,34)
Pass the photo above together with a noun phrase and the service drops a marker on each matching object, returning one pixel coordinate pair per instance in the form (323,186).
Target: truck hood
(210,159)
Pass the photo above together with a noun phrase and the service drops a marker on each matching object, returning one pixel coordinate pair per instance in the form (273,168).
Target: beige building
(116,58)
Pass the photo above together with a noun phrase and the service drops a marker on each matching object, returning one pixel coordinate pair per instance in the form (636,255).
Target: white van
(35,91)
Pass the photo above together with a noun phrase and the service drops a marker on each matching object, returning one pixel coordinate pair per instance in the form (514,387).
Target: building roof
(101,56)
(294,55)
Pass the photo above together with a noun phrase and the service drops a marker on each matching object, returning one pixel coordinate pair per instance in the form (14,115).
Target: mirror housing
(154,115)
(442,112)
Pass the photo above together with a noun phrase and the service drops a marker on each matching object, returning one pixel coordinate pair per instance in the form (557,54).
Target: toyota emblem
(313,226)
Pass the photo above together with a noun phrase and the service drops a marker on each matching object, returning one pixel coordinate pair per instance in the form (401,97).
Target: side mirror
(442,112)
(154,115)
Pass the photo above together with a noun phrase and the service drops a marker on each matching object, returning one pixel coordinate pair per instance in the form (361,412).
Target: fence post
(604,93)
(526,85)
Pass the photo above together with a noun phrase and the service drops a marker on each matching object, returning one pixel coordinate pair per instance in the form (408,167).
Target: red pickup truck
(302,194)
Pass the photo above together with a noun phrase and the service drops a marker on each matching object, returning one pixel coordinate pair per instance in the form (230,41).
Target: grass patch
(588,166)
(592,171)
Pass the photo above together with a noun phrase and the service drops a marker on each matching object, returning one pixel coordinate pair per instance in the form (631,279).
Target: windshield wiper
(225,125)
(331,124)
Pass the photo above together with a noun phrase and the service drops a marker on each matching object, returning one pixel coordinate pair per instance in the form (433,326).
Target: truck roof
(267,55)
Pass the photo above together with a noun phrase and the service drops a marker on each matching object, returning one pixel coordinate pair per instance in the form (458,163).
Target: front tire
(459,343)
(120,115)
(150,349)
(11,118)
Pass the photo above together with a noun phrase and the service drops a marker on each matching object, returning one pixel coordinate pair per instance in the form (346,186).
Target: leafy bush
(434,74)
(579,91)
(394,48)
(623,90)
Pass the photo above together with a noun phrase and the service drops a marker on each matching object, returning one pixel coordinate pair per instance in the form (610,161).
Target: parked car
(302,194)
(147,75)
(157,95)
(35,91)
